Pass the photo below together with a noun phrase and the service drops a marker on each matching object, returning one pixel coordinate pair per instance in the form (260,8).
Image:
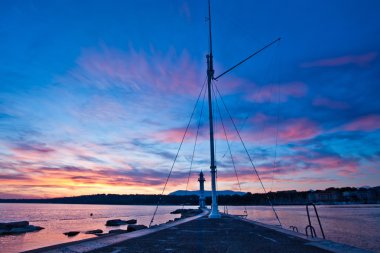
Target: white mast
(210,76)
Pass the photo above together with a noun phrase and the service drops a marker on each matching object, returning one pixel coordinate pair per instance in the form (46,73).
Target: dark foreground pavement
(214,235)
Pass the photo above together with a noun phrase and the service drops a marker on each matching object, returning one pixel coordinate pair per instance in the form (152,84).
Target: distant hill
(207,193)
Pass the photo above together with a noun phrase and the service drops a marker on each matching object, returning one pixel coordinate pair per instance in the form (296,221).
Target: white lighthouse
(202,202)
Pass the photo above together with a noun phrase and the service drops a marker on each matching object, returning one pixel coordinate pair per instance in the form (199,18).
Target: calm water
(355,225)
(60,218)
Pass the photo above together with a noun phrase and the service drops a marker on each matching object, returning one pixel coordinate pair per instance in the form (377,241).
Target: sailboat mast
(210,76)
(209,28)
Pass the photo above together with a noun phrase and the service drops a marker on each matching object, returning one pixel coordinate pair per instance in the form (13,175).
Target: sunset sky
(95,95)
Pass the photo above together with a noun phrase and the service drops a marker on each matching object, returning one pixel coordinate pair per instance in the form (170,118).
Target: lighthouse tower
(202,202)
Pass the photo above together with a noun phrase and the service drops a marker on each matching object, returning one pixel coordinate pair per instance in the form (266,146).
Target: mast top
(209,27)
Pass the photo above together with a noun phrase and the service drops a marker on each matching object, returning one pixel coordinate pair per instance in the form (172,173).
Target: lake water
(355,225)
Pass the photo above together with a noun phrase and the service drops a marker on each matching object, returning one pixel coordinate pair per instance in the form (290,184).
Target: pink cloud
(54,182)
(280,92)
(294,168)
(260,118)
(329,103)
(136,71)
(290,130)
(300,164)
(10,195)
(345,167)
(360,60)
(366,123)
(30,152)
(299,129)
(173,135)
(101,108)
(315,161)
(33,148)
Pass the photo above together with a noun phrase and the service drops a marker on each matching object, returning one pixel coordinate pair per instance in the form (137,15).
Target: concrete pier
(201,234)
(215,235)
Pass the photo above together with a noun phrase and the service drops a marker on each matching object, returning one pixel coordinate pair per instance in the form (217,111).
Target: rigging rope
(250,159)
(277,125)
(228,144)
(241,128)
(176,156)
(195,144)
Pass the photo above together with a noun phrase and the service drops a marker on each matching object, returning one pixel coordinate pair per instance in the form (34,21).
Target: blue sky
(95,95)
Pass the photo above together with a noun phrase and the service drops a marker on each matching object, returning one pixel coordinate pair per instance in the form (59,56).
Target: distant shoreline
(375,205)
(330,196)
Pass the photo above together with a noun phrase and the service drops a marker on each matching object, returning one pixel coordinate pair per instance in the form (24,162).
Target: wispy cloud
(278,92)
(360,60)
(137,71)
(330,103)
(365,123)
(33,148)
(287,130)
(101,109)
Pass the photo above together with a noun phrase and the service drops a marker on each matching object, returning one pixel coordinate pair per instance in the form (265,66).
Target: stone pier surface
(215,235)
(201,234)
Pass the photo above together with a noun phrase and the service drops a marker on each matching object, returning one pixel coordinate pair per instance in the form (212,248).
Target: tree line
(346,195)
